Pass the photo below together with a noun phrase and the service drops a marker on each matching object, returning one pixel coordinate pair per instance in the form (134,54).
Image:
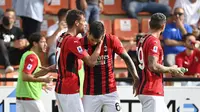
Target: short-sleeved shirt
(14,33)
(171,32)
(151,83)
(30,64)
(100,79)
(192,62)
(68,52)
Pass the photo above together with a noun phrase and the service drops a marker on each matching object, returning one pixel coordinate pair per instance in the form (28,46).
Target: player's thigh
(69,102)
(111,103)
(19,106)
(152,103)
(92,103)
(34,106)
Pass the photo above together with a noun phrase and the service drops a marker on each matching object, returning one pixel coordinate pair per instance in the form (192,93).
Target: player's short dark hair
(157,20)
(97,29)
(72,16)
(186,36)
(34,37)
(62,12)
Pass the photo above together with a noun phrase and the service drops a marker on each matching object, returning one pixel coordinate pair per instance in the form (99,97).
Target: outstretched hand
(51,68)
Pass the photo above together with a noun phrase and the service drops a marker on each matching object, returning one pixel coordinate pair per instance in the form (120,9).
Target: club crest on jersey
(29,67)
(80,50)
(155,49)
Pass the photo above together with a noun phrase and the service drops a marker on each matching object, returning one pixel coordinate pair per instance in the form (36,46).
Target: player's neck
(35,51)
(72,32)
(156,33)
(188,51)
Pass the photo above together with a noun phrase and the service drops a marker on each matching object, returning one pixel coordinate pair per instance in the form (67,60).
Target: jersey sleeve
(179,60)
(75,47)
(117,45)
(154,48)
(30,64)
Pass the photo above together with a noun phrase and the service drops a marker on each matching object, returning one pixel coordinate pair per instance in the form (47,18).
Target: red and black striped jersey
(150,83)
(100,79)
(68,51)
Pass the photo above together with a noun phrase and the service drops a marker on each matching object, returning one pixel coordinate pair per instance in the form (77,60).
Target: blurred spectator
(31,13)
(12,43)
(1,14)
(54,32)
(192,11)
(172,36)
(190,58)
(92,9)
(133,7)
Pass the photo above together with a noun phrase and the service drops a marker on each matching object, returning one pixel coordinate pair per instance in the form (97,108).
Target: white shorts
(29,106)
(69,102)
(153,103)
(107,102)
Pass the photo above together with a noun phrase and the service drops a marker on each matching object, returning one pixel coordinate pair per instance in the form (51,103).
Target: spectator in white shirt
(54,32)
(192,11)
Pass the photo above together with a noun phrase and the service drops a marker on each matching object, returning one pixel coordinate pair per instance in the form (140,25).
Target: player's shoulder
(110,36)
(152,39)
(32,57)
(72,40)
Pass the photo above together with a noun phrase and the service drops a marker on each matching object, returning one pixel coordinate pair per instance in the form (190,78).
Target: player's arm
(81,53)
(130,65)
(52,37)
(91,60)
(30,78)
(158,68)
(30,65)
(45,70)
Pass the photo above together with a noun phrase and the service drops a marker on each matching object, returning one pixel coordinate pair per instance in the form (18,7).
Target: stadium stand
(4,4)
(125,29)
(108,25)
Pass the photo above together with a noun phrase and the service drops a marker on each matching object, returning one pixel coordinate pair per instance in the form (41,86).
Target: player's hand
(175,71)
(48,79)
(136,83)
(47,87)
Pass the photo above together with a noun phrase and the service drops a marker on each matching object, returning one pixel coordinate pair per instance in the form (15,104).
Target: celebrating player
(69,50)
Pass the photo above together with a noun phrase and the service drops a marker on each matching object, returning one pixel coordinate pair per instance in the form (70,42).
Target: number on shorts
(141,58)
(117,106)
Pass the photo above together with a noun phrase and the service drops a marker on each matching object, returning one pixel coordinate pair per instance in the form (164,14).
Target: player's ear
(76,23)
(163,27)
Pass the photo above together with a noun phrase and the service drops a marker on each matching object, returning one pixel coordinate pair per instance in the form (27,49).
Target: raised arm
(91,60)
